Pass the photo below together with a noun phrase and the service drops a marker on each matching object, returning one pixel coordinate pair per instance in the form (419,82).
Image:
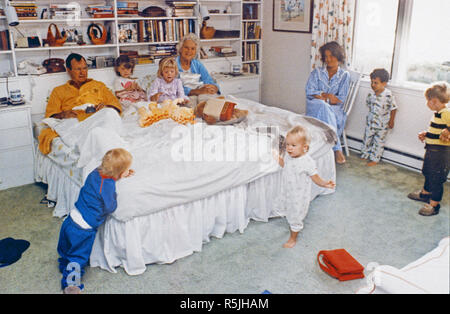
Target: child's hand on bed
(278,158)
(128,173)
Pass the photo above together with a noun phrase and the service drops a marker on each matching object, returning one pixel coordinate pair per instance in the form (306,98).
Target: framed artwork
(292,15)
(128,32)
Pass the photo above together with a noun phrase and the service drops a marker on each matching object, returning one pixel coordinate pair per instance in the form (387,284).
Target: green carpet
(369,215)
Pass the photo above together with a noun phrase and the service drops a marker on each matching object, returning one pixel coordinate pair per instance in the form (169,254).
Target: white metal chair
(355,80)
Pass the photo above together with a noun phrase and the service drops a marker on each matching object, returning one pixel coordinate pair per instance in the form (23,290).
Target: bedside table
(16,146)
(243,86)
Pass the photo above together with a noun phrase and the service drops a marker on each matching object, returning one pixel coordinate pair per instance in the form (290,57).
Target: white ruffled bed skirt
(176,232)
(179,231)
(62,188)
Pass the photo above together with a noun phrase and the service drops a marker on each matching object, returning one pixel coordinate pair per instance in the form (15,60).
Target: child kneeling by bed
(97,199)
(299,170)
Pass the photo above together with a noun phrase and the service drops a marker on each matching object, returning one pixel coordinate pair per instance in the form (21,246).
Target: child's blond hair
(168,62)
(115,162)
(300,132)
(439,90)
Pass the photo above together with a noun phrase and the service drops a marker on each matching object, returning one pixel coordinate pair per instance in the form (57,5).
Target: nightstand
(243,86)
(16,146)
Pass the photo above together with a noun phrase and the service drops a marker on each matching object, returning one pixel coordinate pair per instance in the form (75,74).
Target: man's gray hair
(189,36)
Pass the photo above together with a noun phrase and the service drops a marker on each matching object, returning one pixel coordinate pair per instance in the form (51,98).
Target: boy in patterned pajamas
(380,119)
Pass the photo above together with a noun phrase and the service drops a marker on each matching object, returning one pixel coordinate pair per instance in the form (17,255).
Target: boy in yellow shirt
(436,164)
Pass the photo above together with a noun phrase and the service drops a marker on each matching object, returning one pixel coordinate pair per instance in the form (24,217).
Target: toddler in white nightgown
(299,171)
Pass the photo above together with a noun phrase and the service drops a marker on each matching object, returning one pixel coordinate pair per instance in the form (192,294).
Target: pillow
(146,81)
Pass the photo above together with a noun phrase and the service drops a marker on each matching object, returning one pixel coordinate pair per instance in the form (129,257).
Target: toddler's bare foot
(340,158)
(290,244)
(72,290)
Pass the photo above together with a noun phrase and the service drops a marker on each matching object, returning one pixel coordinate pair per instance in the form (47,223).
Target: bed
(192,181)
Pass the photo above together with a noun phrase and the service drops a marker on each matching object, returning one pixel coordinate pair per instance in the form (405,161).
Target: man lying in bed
(79,90)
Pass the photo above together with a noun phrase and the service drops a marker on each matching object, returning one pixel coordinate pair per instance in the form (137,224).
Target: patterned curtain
(332,21)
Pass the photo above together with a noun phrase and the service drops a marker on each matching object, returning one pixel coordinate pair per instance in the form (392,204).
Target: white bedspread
(177,164)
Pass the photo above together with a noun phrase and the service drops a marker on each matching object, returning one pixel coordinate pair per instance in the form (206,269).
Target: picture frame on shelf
(128,32)
(292,16)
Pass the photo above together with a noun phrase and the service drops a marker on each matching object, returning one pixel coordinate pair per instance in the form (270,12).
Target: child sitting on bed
(97,199)
(126,88)
(299,170)
(167,85)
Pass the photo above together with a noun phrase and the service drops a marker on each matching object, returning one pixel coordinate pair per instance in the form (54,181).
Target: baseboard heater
(392,156)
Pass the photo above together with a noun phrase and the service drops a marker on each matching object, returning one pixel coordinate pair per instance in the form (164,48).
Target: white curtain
(332,21)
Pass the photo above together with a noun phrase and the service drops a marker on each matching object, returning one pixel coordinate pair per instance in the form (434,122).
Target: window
(409,38)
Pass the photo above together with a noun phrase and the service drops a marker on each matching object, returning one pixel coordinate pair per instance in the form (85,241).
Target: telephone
(29,67)
(54,65)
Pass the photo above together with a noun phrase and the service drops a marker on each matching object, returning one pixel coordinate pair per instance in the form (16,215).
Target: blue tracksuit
(97,199)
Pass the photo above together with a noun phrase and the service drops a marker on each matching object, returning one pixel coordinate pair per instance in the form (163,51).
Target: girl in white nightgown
(299,170)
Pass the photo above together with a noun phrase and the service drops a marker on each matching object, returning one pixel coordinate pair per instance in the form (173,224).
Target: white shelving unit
(251,35)
(231,15)
(112,48)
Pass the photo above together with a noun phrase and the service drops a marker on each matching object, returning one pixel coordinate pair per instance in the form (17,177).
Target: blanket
(176,164)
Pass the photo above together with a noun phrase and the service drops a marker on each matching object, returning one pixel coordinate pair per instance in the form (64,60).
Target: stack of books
(97,11)
(26,10)
(223,51)
(125,9)
(64,11)
(138,59)
(182,8)
(162,51)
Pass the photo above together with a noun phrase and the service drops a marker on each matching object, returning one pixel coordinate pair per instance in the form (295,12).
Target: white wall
(286,64)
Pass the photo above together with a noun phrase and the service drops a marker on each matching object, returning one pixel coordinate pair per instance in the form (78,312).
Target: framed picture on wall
(292,15)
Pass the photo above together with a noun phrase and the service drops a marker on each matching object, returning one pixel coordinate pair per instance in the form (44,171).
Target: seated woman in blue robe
(326,91)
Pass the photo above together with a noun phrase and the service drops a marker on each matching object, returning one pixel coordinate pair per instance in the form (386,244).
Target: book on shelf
(126,9)
(222,49)
(164,30)
(251,30)
(100,11)
(250,68)
(127,4)
(181,3)
(162,51)
(26,10)
(182,8)
(138,59)
(4,40)
(250,51)
(227,54)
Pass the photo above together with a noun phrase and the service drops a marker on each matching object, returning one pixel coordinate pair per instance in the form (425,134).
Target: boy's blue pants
(74,247)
